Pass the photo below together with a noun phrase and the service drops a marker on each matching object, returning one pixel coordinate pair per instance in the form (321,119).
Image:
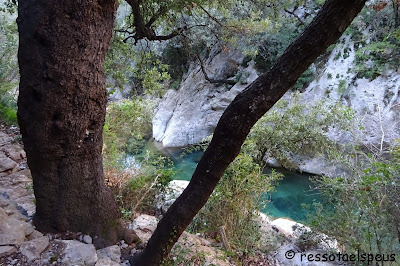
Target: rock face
(375,102)
(190,114)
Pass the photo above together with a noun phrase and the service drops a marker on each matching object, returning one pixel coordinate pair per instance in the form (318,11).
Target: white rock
(144,226)
(143,221)
(290,228)
(375,102)
(32,249)
(112,252)
(77,253)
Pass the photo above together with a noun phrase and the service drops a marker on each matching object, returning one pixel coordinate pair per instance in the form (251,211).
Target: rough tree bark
(234,125)
(61,110)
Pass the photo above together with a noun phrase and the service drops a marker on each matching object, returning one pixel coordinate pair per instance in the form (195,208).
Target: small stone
(4,202)
(32,249)
(87,239)
(7,251)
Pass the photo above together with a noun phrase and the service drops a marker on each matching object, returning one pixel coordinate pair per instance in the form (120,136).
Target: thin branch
(145,194)
(225,81)
(211,16)
(296,16)
(381,127)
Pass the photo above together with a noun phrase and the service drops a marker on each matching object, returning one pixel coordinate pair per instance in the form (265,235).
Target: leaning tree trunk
(61,111)
(237,120)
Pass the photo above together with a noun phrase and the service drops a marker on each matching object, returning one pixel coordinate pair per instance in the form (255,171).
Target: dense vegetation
(8,70)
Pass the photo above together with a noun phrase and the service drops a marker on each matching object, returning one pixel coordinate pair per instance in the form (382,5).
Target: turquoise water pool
(294,190)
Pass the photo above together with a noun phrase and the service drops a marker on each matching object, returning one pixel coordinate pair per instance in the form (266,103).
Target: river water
(292,192)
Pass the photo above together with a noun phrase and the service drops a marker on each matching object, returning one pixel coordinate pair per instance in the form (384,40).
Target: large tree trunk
(61,111)
(237,120)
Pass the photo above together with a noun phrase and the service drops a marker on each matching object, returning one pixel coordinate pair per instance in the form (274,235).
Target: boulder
(289,228)
(296,232)
(32,249)
(86,239)
(6,239)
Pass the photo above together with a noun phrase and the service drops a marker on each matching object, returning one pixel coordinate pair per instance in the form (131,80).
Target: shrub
(235,203)
(374,58)
(135,189)
(362,211)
